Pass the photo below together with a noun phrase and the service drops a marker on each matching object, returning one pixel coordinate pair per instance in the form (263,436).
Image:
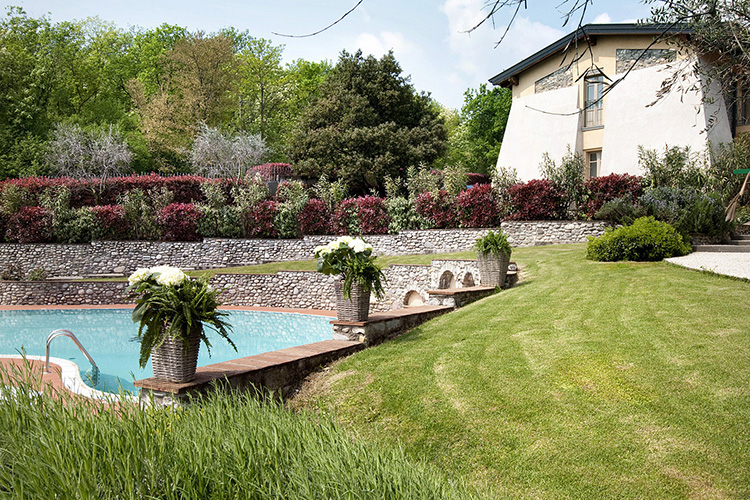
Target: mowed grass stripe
(588,380)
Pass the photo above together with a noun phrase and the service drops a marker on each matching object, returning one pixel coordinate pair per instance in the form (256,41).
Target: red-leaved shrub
(373,215)
(603,189)
(258,220)
(273,171)
(110,222)
(478,207)
(30,225)
(537,199)
(90,192)
(179,222)
(363,215)
(315,218)
(440,209)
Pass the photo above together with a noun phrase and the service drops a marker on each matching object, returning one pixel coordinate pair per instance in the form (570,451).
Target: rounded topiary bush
(645,240)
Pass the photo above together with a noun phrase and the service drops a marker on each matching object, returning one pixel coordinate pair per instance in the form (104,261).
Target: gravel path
(729,263)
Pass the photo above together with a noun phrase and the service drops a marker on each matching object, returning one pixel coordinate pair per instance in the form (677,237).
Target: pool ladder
(67,333)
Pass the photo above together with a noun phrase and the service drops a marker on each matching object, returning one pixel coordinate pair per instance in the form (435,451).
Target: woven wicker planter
(172,362)
(356,307)
(492,269)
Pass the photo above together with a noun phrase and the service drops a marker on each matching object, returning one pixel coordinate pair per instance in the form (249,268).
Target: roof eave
(509,77)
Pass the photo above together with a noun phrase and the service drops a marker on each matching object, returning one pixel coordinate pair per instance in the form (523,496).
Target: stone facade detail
(563,77)
(123,257)
(652,57)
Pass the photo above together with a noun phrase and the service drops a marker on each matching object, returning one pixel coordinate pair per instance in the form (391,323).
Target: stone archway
(413,299)
(447,280)
(468,280)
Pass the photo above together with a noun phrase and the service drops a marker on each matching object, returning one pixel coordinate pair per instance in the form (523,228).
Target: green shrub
(286,221)
(37,274)
(140,215)
(13,197)
(404,216)
(677,167)
(645,240)
(620,211)
(705,216)
(12,272)
(743,215)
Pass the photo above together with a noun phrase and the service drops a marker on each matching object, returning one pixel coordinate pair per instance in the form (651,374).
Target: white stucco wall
(531,132)
(678,119)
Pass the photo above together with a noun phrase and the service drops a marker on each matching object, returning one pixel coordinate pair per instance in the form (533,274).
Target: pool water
(109,337)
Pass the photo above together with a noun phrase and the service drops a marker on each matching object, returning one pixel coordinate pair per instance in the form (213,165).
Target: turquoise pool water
(108,335)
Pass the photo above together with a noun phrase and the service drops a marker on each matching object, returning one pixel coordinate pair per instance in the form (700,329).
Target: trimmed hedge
(603,189)
(537,199)
(363,215)
(439,208)
(179,222)
(478,207)
(30,225)
(315,218)
(645,240)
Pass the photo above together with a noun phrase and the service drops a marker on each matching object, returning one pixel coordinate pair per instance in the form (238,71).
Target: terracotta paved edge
(249,364)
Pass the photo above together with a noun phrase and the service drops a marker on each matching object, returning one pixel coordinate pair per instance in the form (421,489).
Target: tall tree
(196,87)
(485,116)
(367,123)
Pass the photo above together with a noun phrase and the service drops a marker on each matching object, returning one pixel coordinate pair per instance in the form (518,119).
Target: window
(594,159)
(594,86)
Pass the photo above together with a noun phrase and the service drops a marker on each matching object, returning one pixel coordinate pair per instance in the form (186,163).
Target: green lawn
(588,380)
(309,265)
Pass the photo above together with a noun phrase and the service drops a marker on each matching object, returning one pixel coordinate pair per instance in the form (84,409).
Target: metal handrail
(67,333)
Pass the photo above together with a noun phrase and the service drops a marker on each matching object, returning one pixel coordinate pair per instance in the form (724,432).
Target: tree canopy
(368,122)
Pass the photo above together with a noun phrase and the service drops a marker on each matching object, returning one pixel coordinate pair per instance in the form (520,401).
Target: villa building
(572,94)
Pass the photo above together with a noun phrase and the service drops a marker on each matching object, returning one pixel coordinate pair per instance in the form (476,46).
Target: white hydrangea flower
(139,275)
(358,245)
(168,275)
(348,240)
(320,250)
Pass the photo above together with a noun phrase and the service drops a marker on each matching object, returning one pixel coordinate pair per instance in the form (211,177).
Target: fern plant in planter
(172,311)
(493,256)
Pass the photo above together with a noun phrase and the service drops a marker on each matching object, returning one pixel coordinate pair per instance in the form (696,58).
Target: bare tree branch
(324,29)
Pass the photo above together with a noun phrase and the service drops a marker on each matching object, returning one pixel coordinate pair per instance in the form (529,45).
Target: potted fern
(352,260)
(493,256)
(172,311)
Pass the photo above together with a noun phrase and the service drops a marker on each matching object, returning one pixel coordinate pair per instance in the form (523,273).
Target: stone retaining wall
(286,289)
(73,293)
(123,257)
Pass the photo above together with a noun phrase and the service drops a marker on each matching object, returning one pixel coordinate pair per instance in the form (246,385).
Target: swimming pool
(108,335)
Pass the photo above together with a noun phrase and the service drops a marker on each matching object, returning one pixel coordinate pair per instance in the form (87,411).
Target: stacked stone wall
(123,257)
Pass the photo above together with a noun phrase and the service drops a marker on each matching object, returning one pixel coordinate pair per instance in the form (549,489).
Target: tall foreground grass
(223,446)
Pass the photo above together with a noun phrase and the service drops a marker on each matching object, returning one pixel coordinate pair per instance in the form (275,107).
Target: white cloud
(475,56)
(379,44)
(602,18)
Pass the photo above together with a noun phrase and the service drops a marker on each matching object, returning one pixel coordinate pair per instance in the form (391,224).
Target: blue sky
(427,37)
